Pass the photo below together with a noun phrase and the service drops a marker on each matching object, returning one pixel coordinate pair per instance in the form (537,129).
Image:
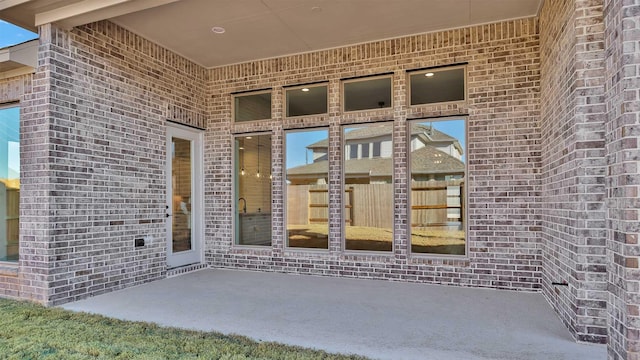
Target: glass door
(184,196)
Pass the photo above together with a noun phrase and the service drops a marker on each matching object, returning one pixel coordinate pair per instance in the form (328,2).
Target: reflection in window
(368,189)
(434,86)
(307,190)
(366,94)
(253,190)
(307,100)
(9,182)
(255,106)
(438,187)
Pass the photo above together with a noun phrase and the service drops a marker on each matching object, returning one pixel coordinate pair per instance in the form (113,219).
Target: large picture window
(9,182)
(307,167)
(438,183)
(368,188)
(253,189)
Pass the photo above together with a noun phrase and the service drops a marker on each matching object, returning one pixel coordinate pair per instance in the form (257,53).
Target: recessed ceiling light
(218,30)
(428,74)
(305,89)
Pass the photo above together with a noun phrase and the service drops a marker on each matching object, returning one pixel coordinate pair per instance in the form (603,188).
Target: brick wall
(503,155)
(101,97)
(573,164)
(623,176)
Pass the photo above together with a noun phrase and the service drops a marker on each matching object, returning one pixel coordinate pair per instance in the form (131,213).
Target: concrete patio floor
(378,319)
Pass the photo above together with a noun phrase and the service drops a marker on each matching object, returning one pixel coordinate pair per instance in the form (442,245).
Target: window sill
(8,269)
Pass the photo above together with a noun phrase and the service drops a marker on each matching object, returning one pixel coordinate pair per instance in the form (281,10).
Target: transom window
(252,106)
(367,93)
(306,100)
(437,85)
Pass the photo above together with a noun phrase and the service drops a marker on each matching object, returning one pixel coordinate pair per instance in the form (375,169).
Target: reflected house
(368,157)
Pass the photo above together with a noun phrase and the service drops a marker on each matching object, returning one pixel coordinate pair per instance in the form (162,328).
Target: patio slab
(378,319)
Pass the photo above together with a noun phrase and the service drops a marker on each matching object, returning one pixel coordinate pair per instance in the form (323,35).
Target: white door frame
(195,255)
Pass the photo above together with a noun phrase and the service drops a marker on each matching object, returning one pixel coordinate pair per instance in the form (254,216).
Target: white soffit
(258,29)
(18,59)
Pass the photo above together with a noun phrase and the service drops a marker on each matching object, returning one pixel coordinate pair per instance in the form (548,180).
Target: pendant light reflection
(258,174)
(242,158)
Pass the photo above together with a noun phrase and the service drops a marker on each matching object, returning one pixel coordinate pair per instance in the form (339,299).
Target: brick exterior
(503,155)
(622,19)
(552,156)
(93,159)
(573,165)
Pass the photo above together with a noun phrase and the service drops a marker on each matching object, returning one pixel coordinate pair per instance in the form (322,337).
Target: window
(368,191)
(306,188)
(254,106)
(368,93)
(306,100)
(437,85)
(353,151)
(253,189)
(365,151)
(9,182)
(438,180)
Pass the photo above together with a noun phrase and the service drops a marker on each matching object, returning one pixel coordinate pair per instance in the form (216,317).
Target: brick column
(573,165)
(623,176)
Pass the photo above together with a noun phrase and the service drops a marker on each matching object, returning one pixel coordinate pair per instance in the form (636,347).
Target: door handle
(167,215)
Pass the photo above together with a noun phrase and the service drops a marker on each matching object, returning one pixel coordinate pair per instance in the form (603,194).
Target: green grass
(31,331)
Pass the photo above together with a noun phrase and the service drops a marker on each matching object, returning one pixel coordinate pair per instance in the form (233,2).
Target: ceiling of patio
(258,29)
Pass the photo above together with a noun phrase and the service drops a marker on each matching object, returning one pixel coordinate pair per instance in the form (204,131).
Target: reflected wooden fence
(433,203)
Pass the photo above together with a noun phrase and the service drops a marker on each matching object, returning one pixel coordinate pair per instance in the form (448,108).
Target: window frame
(286,197)
(3,106)
(343,237)
(436,69)
(236,95)
(465,194)
(285,103)
(343,82)
(235,192)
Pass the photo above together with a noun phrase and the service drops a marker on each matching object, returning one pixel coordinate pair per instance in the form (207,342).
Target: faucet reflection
(244,206)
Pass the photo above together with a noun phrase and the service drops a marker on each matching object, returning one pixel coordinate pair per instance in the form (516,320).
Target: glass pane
(9,183)
(181,183)
(368,185)
(307,190)
(437,86)
(367,94)
(438,187)
(307,101)
(253,190)
(252,107)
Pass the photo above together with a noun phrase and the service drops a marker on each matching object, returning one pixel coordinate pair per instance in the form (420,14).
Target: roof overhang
(30,14)
(18,59)
(261,29)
